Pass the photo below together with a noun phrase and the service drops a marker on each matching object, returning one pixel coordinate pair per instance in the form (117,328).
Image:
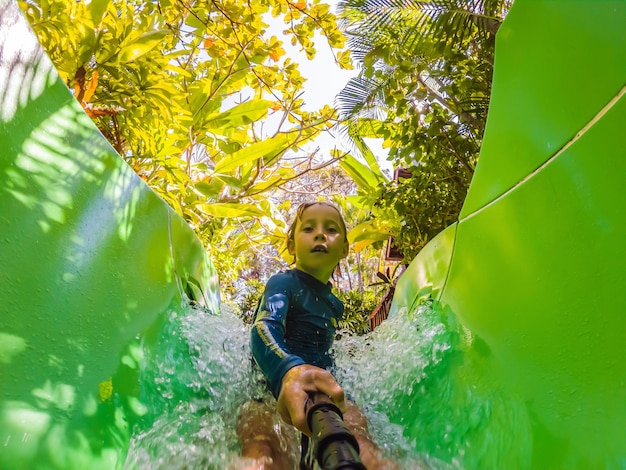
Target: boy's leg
(264,439)
(371,455)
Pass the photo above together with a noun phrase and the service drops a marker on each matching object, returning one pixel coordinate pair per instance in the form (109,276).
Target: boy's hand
(297,384)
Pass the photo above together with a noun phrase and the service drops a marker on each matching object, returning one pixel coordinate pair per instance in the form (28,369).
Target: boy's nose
(320,235)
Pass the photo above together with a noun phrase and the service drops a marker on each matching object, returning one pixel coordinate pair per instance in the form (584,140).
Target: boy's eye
(307,229)
(332,230)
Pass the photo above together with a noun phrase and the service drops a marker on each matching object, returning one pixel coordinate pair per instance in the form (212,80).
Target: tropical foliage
(204,102)
(201,99)
(357,307)
(425,70)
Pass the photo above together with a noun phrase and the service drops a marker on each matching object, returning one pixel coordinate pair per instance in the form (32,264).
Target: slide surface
(91,261)
(529,282)
(533,272)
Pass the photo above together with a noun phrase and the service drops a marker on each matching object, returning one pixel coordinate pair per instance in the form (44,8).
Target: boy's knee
(254,418)
(354,417)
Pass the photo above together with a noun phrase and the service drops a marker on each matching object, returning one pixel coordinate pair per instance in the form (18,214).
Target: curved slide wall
(534,270)
(91,259)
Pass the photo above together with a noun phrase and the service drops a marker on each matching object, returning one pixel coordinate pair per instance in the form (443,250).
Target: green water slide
(91,259)
(531,279)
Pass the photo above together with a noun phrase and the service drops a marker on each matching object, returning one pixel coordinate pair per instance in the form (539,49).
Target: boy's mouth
(319,249)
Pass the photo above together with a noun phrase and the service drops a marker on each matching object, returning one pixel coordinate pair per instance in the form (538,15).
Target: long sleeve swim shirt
(295,324)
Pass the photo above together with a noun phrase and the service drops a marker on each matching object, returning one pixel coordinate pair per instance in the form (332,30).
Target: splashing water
(400,375)
(425,373)
(202,375)
(379,369)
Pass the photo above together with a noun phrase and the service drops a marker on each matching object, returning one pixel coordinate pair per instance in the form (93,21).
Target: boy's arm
(268,344)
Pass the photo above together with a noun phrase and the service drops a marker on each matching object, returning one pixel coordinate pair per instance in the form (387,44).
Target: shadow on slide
(530,281)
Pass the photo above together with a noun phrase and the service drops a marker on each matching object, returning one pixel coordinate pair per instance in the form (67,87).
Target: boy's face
(319,241)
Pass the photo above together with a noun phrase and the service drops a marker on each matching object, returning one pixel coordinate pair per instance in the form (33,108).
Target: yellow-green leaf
(367,231)
(96,10)
(242,114)
(251,153)
(143,44)
(363,176)
(211,189)
(231,209)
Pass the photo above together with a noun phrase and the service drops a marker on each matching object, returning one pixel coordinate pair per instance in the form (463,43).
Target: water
(404,375)
(386,369)
(434,380)
(202,375)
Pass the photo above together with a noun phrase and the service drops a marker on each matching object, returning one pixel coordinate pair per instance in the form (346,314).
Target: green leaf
(358,131)
(231,209)
(363,176)
(143,44)
(211,189)
(253,152)
(367,231)
(195,21)
(231,181)
(96,10)
(87,45)
(228,146)
(242,114)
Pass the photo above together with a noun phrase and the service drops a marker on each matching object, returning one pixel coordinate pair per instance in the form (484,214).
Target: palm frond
(418,46)
(448,23)
(361,97)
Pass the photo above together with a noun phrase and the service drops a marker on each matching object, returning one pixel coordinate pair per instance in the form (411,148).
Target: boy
(291,339)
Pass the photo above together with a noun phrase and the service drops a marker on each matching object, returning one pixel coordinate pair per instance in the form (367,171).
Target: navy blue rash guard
(295,324)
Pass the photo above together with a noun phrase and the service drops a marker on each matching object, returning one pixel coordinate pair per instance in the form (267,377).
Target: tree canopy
(423,86)
(203,101)
(200,99)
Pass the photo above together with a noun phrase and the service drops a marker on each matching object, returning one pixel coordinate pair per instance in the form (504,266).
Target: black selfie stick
(334,446)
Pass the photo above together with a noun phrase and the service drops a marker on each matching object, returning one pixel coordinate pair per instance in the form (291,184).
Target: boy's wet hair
(304,206)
